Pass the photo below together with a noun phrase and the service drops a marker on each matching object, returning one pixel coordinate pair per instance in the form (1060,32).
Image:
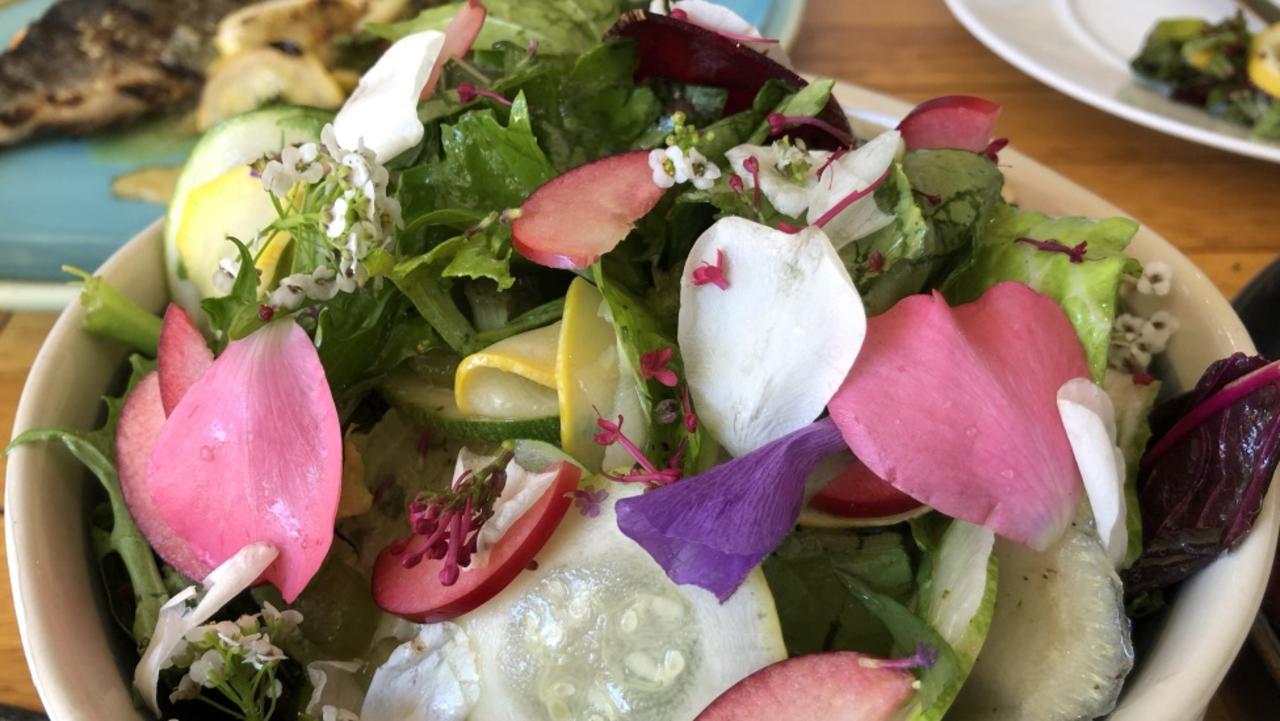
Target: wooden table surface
(1219,209)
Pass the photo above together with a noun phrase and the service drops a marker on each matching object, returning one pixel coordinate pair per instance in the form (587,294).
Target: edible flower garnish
(710,530)
(382,112)
(468,92)
(780,171)
(653,366)
(451,520)
(1074,253)
(1089,418)
(956,407)
(712,273)
(1157,278)
(588,502)
(764,359)
(256,444)
(779,124)
(843,204)
(926,656)
(183,613)
(649,473)
(1202,481)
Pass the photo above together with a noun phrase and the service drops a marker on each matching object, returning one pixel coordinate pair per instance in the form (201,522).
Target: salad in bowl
(589,364)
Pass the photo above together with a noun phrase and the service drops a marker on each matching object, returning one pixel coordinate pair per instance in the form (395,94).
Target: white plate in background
(1083,47)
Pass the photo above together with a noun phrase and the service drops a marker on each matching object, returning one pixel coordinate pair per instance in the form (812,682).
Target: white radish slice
(1059,646)
(764,355)
(383,111)
(432,676)
(1090,421)
(221,585)
(849,174)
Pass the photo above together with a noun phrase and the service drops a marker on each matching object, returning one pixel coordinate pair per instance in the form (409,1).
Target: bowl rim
(1183,697)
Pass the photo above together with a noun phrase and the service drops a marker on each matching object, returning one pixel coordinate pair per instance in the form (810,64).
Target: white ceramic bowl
(70,642)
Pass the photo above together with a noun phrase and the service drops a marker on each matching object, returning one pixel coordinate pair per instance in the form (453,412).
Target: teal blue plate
(56,205)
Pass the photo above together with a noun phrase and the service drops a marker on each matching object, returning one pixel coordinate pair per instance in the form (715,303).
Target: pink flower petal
(253,453)
(957,408)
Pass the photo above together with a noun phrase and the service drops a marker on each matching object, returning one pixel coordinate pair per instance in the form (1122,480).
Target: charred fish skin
(87,64)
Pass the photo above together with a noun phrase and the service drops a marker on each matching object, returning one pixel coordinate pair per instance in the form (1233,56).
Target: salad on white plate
(607,374)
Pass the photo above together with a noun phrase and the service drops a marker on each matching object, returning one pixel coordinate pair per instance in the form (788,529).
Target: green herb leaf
(108,312)
(96,450)
(557,26)
(235,315)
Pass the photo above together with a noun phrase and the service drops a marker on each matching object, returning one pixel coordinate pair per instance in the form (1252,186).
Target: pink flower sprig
(649,474)
(851,198)
(779,123)
(653,365)
(686,405)
(710,274)
(450,521)
(926,656)
(839,153)
(1074,253)
(468,92)
(752,165)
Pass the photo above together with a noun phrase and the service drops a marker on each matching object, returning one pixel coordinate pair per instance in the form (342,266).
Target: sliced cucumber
(238,141)
(597,631)
(1059,646)
(433,406)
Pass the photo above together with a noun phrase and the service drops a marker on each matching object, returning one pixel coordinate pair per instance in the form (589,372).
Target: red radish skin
(836,686)
(672,49)
(182,356)
(858,493)
(959,122)
(141,419)
(574,218)
(459,35)
(417,594)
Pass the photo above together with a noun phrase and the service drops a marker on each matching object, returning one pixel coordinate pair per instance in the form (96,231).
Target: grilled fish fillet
(89,63)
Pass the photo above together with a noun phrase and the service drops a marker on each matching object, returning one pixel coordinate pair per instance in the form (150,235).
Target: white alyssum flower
(787,173)
(702,172)
(1157,278)
(1136,340)
(670,166)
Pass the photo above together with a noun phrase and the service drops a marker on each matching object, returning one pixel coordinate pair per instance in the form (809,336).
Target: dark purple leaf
(710,530)
(1210,463)
(672,49)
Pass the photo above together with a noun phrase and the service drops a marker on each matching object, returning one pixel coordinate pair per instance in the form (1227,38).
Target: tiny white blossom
(331,713)
(290,294)
(702,172)
(187,689)
(338,214)
(1157,278)
(329,137)
(207,671)
(224,278)
(259,651)
(277,179)
(664,173)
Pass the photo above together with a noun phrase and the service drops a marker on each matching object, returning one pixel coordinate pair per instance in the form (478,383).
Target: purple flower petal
(712,529)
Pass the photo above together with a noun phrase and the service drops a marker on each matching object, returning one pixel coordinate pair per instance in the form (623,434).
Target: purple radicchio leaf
(1210,463)
(710,530)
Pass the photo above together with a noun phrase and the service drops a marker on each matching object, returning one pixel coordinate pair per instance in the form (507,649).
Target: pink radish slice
(673,49)
(182,356)
(858,493)
(141,419)
(957,407)
(253,453)
(961,122)
(836,686)
(459,35)
(574,218)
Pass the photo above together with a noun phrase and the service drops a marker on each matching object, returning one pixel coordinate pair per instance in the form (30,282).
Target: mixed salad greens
(1224,67)
(587,365)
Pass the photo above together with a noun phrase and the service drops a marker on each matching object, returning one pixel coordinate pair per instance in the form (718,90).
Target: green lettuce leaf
(485,167)
(1133,404)
(1088,291)
(816,609)
(558,26)
(116,536)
